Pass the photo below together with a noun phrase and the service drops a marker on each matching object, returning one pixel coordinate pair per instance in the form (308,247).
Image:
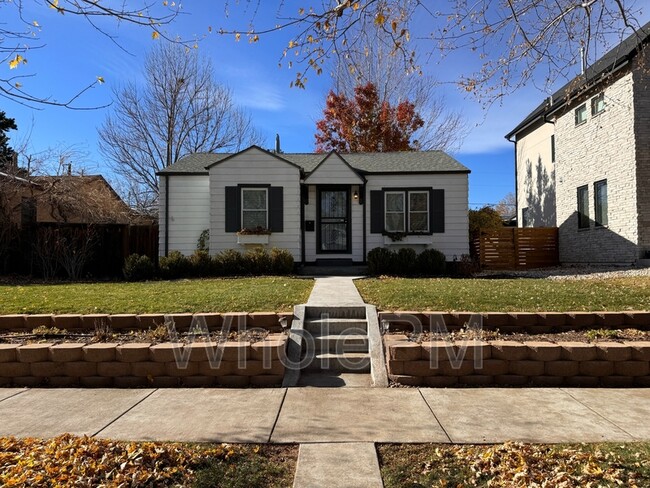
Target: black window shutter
(437,213)
(276,209)
(376,212)
(233,209)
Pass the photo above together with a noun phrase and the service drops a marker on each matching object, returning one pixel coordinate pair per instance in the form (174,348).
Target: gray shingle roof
(368,163)
(611,60)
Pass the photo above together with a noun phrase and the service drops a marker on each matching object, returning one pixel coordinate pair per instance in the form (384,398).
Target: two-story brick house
(582,159)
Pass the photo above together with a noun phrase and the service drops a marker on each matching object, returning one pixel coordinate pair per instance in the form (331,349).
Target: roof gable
(614,59)
(334,169)
(251,149)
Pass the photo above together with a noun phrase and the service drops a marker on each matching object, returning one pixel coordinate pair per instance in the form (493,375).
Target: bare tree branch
(181,110)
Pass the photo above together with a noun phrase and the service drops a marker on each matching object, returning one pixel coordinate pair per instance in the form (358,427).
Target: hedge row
(230,262)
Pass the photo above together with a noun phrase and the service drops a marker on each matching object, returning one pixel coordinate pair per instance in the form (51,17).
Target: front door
(334,220)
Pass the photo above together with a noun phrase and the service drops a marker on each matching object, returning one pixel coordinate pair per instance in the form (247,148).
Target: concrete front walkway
(328,415)
(336,291)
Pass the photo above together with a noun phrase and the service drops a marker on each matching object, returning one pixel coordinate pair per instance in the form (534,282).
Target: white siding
(536,176)
(454,242)
(255,167)
(356,226)
(189,207)
(333,171)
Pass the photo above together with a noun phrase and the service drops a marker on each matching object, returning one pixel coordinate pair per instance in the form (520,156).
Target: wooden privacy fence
(518,248)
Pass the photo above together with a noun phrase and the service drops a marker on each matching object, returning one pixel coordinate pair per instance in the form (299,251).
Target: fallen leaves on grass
(70,460)
(516,465)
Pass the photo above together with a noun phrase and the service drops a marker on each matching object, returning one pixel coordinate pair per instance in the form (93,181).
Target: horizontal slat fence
(518,248)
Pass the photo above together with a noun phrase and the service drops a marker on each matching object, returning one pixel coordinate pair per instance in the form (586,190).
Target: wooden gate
(518,248)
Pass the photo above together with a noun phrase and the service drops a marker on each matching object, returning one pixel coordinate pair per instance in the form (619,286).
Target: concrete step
(339,343)
(352,312)
(352,362)
(325,326)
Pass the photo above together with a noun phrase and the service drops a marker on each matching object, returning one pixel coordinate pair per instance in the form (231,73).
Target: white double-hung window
(254,208)
(395,218)
(418,211)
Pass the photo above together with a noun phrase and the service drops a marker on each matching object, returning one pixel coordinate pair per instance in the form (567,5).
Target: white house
(323,208)
(583,159)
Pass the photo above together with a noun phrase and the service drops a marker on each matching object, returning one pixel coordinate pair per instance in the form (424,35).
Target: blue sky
(74,54)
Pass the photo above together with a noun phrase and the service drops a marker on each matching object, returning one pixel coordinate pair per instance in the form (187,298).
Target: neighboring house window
(395,215)
(597,104)
(553,148)
(418,211)
(583,207)
(254,208)
(525,218)
(600,203)
(581,114)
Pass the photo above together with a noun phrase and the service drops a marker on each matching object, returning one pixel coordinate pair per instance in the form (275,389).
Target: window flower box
(408,240)
(252,239)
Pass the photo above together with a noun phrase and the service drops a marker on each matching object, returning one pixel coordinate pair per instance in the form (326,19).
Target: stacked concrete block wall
(603,147)
(271,321)
(509,363)
(199,364)
(515,322)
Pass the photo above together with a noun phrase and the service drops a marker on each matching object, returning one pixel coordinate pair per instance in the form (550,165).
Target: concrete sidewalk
(338,291)
(324,415)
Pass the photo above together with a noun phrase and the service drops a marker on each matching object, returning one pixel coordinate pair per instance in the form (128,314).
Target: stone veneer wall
(508,363)
(139,365)
(601,148)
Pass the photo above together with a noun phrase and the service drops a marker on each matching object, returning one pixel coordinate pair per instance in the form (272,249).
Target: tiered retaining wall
(119,322)
(140,364)
(440,364)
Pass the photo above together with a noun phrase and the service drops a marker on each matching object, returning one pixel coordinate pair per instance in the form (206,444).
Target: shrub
(138,268)
(467,266)
(258,261)
(203,242)
(231,263)
(405,261)
(281,261)
(431,262)
(175,265)
(380,261)
(201,264)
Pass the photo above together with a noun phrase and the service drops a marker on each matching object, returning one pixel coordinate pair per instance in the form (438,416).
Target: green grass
(270,466)
(506,295)
(209,295)
(515,465)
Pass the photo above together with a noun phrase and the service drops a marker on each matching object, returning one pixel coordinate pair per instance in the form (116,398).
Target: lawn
(208,295)
(506,295)
(514,465)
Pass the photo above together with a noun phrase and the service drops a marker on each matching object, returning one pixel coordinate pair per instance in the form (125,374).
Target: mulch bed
(587,336)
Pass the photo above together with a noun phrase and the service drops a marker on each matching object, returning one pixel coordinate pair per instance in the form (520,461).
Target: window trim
(404,213)
(593,113)
(585,214)
(428,211)
(598,222)
(552,148)
(576,111)
(524,217)
(265,189)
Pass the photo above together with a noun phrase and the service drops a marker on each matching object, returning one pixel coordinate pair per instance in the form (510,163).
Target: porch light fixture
(355,195)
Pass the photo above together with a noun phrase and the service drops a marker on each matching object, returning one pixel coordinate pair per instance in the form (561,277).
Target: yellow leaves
(380,19)
(36,24)
(54,4)
(253,39)
(237,36)
(100,80)
(155,35)
(17,61)
(355,6)
(292,44)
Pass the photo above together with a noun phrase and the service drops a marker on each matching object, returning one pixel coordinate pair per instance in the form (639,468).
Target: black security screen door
(334,220)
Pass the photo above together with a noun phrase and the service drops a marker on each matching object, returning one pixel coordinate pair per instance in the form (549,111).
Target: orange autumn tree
(366,124)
